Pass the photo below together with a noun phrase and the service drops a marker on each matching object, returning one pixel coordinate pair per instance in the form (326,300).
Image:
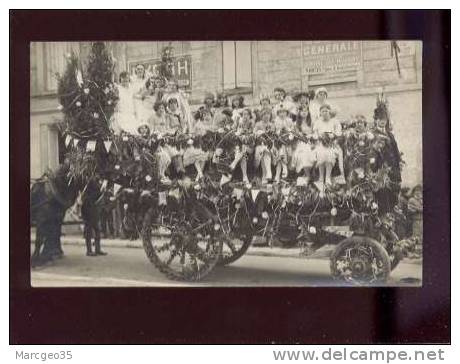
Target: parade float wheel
(234,248)
(179,250)
(360,260)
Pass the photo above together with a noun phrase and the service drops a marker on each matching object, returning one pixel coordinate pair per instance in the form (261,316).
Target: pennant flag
(116,188)
(175,193)
(302,181)
(79,78)
(75,142)
(161,198)
(107,144)
(254,193)
(238,193)
(285,191)
(104,184)
(91,146)
(68,139)
(225,179)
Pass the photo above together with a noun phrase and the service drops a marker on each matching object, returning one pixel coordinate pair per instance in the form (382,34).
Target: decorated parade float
(201,217)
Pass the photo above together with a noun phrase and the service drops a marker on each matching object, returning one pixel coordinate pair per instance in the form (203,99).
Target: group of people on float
(154,105)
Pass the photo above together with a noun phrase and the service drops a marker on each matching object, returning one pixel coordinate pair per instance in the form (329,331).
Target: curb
(274,252)
(253,250)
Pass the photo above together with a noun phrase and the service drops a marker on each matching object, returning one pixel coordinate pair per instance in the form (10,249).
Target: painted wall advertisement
(331,56)
(182,69)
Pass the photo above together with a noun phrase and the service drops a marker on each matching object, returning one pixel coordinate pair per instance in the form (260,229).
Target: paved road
(125,267)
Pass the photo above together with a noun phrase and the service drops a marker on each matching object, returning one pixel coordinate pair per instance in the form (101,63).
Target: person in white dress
(124,119)
(321,98)
(138,80)
(328,151)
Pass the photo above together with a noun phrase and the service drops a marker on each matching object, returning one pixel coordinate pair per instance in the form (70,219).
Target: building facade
(354,72)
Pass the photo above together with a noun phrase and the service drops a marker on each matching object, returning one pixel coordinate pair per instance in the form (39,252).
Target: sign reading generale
(331,56)
(182,69)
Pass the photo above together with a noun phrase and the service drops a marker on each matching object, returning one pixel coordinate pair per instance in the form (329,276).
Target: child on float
(237,107)
(203,121)
(183,108)
(220,105)
(283,101)
(209,103)
(174,117)
(281,153)
(304,155)
(328,129)
(193,153)
(321,98)
(244,127)
(265,105)
(159,123)
(262,154)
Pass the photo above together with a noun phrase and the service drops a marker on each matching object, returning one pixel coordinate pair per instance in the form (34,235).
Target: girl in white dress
(328,151)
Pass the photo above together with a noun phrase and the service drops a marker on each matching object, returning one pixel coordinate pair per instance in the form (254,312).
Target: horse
(50,197)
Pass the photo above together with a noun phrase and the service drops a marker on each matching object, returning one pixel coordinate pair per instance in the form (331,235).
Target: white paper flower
(372,160)
(312,230)
(78,103)
(265,215)
(60,107)
(109,102)
(148,178)
(117,167)
(333,211)
(255,220)
(96,115)
(86,91)
(374,206)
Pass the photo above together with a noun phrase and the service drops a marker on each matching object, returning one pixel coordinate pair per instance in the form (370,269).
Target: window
(55,61)
(237,68)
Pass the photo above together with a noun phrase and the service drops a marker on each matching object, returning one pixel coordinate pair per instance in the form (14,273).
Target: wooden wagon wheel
(360,260)
(234,247)
(181,250)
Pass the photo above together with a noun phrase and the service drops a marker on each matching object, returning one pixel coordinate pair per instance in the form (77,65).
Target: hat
(140,67)
(321,89)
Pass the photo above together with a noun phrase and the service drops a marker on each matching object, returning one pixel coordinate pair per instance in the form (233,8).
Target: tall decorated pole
(87,99)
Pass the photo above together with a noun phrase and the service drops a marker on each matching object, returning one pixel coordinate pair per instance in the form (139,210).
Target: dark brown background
(236,315)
